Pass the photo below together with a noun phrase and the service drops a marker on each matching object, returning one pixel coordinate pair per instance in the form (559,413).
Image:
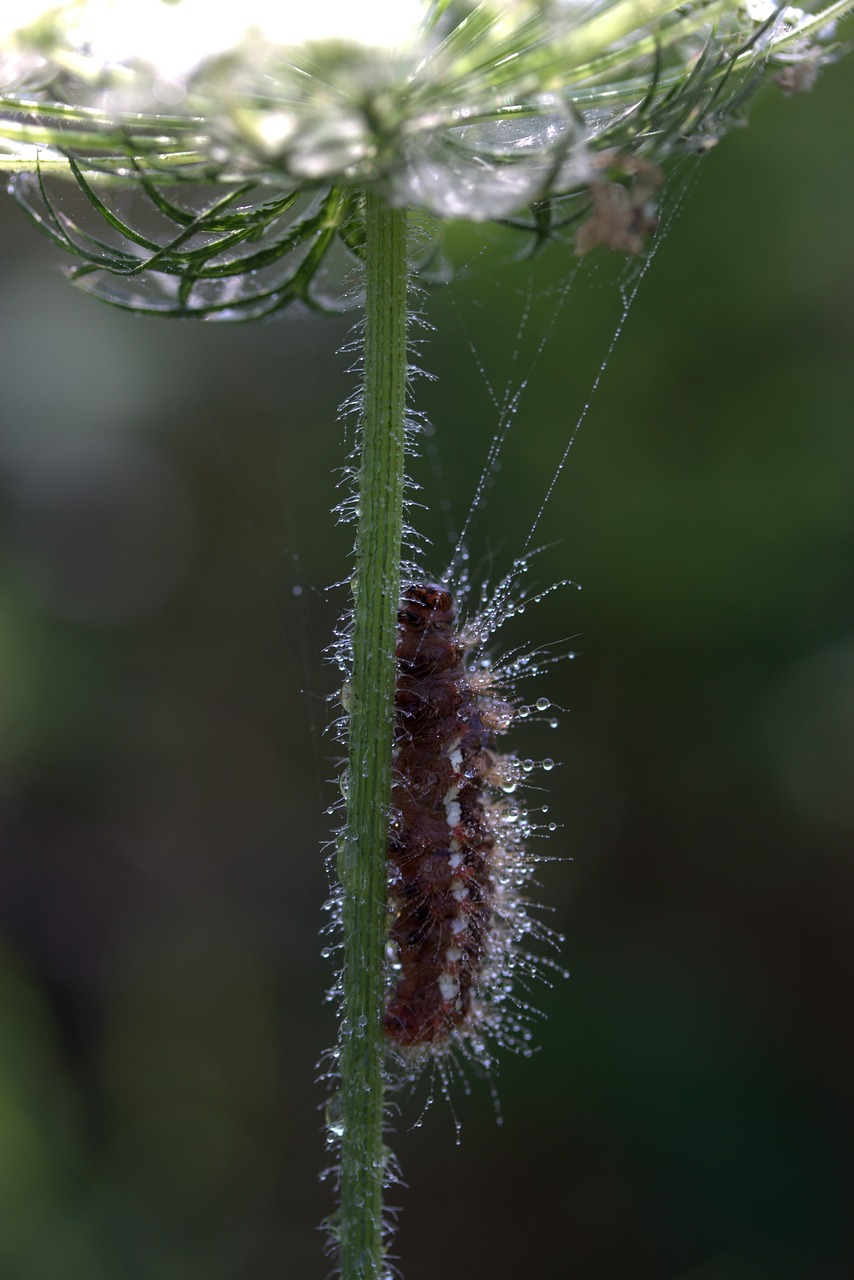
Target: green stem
(362,866)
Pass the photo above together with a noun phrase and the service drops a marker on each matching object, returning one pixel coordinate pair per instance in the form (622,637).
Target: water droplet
(543,704)
(334,1119)
(548,764)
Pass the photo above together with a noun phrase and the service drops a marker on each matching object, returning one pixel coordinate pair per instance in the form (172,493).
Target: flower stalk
(362,857)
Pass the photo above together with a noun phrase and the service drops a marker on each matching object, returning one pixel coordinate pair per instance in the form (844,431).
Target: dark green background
(166,547)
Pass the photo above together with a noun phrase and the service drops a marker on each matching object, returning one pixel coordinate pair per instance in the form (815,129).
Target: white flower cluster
(175,38)
(150,55)
(465,108)
(395,91)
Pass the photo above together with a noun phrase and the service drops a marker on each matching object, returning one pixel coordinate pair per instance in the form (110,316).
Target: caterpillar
(457,861)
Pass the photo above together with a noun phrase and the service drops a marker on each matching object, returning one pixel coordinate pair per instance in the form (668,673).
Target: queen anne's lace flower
(504,109)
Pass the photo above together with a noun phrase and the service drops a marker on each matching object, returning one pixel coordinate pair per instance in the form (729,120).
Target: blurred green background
(166,549)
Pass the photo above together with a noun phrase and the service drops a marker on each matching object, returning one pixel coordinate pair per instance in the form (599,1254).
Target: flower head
(463,109)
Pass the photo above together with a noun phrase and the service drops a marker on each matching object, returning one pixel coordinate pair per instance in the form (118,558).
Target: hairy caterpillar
(457,857)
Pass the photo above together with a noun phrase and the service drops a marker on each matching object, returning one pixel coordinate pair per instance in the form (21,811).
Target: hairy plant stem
(362,861)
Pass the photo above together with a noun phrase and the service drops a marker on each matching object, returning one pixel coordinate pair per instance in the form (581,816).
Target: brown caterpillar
(453,914)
